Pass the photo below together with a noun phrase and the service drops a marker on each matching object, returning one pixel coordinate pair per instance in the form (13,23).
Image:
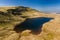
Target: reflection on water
(34,24)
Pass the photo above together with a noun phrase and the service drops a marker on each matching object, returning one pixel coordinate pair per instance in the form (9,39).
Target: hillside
(24,23)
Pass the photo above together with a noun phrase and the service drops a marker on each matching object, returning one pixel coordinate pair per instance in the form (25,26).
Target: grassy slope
(51,29)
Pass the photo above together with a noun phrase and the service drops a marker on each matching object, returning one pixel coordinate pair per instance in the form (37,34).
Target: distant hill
(24,23)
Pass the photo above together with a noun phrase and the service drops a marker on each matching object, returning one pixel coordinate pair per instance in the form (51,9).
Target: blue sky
(42,5)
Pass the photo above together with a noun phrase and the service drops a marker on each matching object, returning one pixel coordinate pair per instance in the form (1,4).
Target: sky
(42,5)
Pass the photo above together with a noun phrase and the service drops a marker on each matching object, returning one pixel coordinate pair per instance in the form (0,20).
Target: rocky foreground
(24,23)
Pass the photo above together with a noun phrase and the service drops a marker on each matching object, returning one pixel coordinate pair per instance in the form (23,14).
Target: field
(24,23)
